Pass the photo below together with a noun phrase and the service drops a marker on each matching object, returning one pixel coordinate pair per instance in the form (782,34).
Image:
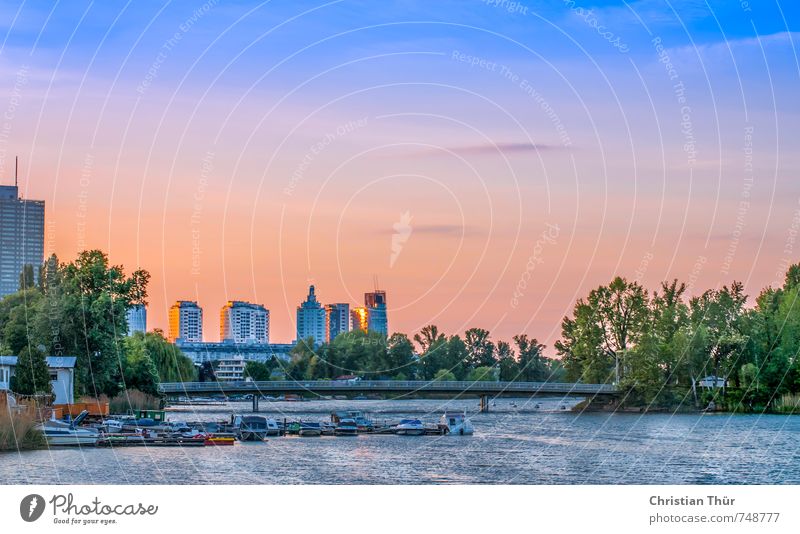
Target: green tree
(170,363)
(31,376)
(138,370)
(509,368)
(443,375)
(480,351)
(533,365)
(258,371)
(26,280)
(482,374)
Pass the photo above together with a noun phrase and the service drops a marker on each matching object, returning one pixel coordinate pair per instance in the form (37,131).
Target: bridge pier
(484,404)
(255,402)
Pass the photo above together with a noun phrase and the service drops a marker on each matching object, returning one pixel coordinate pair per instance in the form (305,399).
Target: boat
(346,427)
(457,423)
(310,429)
(219,440)
(63,433)
(410,427)
(250,427)
(328,429)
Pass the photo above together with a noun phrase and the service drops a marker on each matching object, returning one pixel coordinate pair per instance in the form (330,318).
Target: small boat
(346,427)
(63,433)
(457,423)
(328,429)
(293,428)
(310,429)
(410,427)
(219,440)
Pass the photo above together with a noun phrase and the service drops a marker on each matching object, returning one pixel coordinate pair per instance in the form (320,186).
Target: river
(519,444)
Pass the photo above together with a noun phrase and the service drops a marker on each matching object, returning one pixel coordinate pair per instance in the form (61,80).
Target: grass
(18,430)
(132,400)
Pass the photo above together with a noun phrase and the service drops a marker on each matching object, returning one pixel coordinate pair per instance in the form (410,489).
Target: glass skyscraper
(21,237)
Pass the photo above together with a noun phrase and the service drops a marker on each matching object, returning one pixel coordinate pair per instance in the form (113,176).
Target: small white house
(62,376)
(712,381)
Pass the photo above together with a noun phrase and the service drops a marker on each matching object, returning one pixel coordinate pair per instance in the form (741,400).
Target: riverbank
(18,431)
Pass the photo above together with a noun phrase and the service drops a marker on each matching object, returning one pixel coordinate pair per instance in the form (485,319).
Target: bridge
(484,390)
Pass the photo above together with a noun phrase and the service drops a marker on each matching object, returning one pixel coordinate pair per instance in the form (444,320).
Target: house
(712,381)
(62,376)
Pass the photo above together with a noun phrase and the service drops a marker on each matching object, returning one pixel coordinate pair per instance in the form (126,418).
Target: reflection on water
(511,445)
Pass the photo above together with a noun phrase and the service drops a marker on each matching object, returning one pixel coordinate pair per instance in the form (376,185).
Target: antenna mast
(16,171)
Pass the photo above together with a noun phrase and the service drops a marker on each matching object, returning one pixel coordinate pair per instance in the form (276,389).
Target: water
(521,445)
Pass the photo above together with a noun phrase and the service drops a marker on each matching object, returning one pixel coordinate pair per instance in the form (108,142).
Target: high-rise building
(375,303)
(359,319)
(21,237)
(243,322)
(137,319)
(337,319)
(311,319)
(186,322)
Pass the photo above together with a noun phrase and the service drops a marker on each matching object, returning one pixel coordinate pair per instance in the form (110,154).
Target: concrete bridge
(484,390)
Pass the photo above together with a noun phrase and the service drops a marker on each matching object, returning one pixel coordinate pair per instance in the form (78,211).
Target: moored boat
(60,433)
(457,423)
(219,440)
(250,427)
(346,427)
(310,429)
(410,427)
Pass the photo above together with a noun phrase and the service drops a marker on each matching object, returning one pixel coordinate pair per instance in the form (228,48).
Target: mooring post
(255,403)
(484,404)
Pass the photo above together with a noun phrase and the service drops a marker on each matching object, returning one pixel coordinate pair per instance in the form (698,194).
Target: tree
(31,376)
(532,363)
(480,351)
(428,337)
(509,368)
(482,374)
(206,372)
(137,370)
(443,375)
(258,371)
(400,356)
(170,363)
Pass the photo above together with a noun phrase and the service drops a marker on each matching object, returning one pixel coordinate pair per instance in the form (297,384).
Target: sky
(486,162)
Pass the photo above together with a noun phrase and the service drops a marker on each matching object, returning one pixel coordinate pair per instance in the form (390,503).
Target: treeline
(79,309)
(661,345)
(434,357)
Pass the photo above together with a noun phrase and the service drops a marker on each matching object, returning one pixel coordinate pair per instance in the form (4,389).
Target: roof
(54,362)
(61,362)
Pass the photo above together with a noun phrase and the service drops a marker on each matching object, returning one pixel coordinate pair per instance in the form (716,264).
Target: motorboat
(310,429)
(410,427)
(250,427)
(346,427)
(328,429)
(68,433)
(457,423)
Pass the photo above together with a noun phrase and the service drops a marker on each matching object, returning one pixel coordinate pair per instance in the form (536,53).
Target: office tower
(375,303)
(359,319)
(311,319)
(186,322)
(137,319)
(243,322)
(337,319)
(21,237)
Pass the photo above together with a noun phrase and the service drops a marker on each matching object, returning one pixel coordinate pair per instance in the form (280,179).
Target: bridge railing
(384,385)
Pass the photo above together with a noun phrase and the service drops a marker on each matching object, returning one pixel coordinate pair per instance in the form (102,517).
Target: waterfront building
(186,321)
(375,303)
(137,319)
(311,318)
(215,351)
(243,322)
(21,237)
(62,376)
(230,370)
(337,320)
(359,318)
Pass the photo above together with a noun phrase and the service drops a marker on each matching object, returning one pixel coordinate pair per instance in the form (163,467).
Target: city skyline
(485,165)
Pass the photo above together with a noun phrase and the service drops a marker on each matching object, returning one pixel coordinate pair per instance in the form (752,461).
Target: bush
(18,430)
(132,400)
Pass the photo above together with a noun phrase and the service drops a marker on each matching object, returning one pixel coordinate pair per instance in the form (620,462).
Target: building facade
(375,303)
(359,319)
(186,322)
(337,320)
(230,369)
(62,376)
(243,322)
(137,319)
(21,237)
(214,351)
(311,318)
